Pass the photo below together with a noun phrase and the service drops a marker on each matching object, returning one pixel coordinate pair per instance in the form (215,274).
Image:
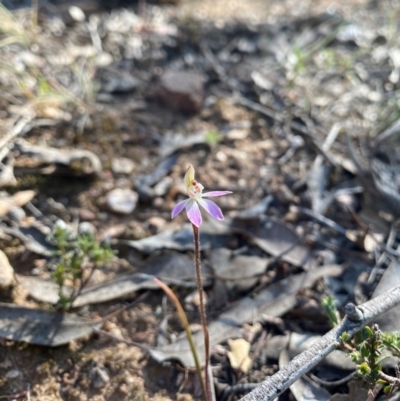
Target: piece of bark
(181,90)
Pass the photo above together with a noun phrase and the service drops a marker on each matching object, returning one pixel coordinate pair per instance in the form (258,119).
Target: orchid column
(195,193)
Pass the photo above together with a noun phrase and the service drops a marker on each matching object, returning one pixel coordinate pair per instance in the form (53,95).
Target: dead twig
(386,134)
(356,318)
(322,219)
(382,246)
(374,392)
(121,340)
(261,109)
(21,127)
(280,117)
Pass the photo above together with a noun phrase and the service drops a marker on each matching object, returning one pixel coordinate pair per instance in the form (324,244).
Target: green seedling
(298,58)
(328,303)
(12,30)
(76,260)
(212,137)
(367,350)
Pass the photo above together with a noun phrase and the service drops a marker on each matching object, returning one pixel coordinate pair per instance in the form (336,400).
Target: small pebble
(17,214)
(86,228)
(85,214)
(122,165)
(104,59)
(194,298)
(113,231)
(13,374)
(346,200)
(100,377)
(122,201)
(156,224)
(123,183)
(63,225)
(76,13)
(161,188)
(181,90)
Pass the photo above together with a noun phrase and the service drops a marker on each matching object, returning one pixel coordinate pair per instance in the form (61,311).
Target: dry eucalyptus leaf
(6,272)
(357,392)
(276,239)
(89,162)
(211,237)
(144,183)
(389,321)
(340,397)
(33,238)
(240,272)
(171,267)
(7,177)
(40,289)
(18,199)
(239,354)
(40,327)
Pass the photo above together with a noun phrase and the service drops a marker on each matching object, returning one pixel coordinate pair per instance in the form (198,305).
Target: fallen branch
(356,318)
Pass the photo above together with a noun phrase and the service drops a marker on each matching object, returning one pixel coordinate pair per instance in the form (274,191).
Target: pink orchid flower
(195,193)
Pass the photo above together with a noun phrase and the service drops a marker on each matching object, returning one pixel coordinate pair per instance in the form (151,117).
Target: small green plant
(11,30)
(367,350)
(329,305)
(212,137)
(298,60)
(77,259)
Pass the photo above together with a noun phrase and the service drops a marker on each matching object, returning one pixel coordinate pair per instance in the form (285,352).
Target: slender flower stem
(202,310)
(189,335)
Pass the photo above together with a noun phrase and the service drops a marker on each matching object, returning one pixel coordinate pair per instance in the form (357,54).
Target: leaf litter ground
(82,100)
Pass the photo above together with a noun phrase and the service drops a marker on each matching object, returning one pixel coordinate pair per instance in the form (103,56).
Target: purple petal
(193,212)
(211,208)
(178,208)
(217,193)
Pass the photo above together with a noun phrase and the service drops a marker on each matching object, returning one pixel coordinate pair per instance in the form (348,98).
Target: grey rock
(122,201)
(17,214)
(122,165)
(13,374)
(181,90)
(115,80)
(86,228)
(100,377)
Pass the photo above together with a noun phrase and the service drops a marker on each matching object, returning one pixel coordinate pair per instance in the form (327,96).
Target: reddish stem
(202,309)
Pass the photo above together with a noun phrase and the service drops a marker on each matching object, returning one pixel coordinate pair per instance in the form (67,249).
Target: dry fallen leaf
(276,239)
(19,199)
(239,354)
(171,267)
(6,272)
(356,393)
(41,327)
